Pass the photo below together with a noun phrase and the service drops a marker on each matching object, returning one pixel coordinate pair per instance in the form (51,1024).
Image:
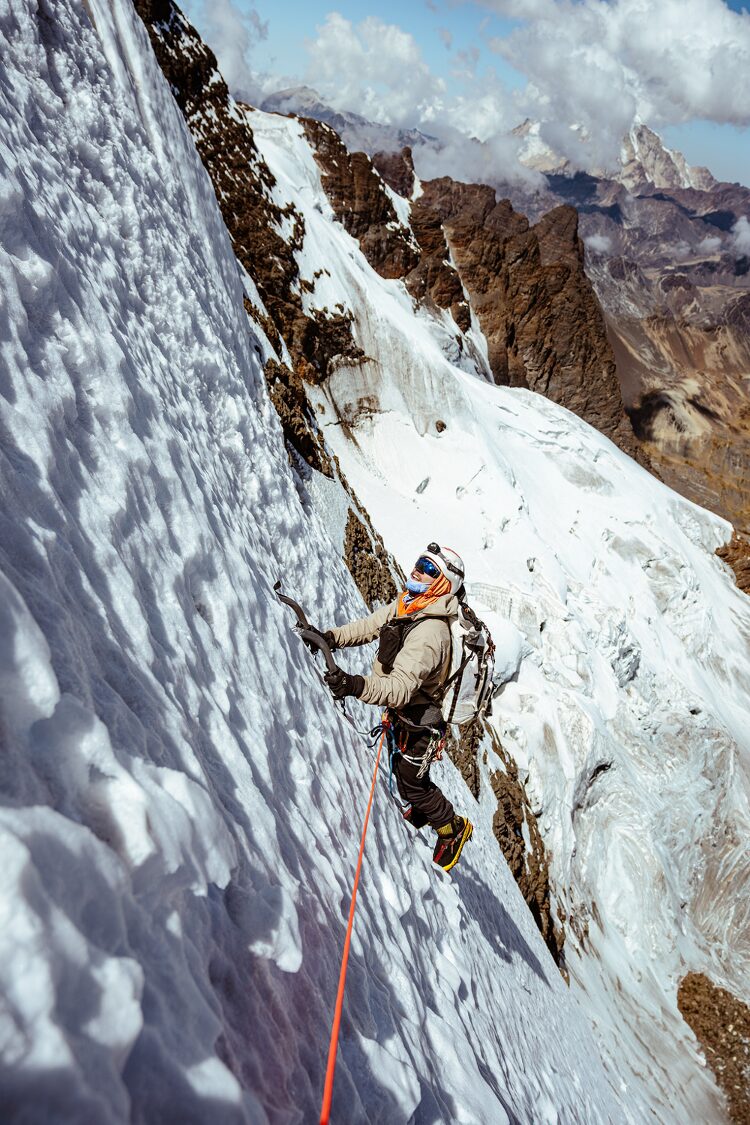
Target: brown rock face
(397,169)
(475,230)
(736,554)
(529,866)
(367,559)
(360,202)
(721,1023)
(675,289)
(527,286)
(433,279)
(287,393)
(536,307)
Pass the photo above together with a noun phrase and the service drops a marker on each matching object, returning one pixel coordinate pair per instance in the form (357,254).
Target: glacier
(181,800)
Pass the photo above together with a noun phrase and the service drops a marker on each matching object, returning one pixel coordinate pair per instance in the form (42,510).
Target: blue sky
(291,26)
(291,22)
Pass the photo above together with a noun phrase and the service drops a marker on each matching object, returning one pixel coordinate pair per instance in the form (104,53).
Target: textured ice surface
(181,801)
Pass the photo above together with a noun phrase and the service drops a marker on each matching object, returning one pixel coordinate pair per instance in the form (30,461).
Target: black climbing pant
(421,793)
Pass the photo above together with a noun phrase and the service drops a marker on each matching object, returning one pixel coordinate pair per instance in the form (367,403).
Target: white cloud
(601,64)
(741,236)
(599,243)
(709,245)
(376,69)
(493,161)
(232,35)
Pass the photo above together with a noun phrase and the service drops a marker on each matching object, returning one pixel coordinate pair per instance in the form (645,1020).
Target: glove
(327,637)
(342,684)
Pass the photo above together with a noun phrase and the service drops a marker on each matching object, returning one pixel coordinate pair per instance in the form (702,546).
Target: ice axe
(306,632)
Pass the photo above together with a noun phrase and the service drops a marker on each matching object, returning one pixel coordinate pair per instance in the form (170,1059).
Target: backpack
(467,693)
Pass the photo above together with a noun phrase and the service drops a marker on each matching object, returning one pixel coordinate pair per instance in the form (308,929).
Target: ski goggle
(427,566)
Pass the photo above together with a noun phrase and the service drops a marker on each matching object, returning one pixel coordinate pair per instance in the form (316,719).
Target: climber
(409,673)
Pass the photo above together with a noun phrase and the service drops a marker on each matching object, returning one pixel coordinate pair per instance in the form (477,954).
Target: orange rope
(325,1109)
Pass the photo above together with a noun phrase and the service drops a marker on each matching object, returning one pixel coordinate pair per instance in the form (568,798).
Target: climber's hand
(342,684)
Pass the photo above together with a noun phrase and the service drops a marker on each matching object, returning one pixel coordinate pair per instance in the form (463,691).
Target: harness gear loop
(433,753)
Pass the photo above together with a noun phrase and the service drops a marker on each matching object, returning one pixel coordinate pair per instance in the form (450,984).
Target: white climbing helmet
(448,563)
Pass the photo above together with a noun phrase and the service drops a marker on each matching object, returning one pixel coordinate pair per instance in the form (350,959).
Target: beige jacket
(423,663)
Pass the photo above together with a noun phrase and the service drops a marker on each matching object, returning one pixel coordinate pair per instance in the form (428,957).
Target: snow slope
(630,716)
(181,801)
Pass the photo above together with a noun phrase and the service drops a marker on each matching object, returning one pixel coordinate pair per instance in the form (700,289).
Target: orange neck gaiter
(437,588)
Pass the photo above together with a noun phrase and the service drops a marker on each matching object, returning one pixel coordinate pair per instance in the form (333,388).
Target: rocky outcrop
(527,286)
(514,823)
(287,393)
(397,169)
(368,561)
(721,1023)
(435,279)
(670,272)
(315,338)
(463,750)
(361,203)
(736,554)
(645,159)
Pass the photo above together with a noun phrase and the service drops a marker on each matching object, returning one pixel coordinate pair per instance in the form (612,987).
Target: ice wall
(181,803)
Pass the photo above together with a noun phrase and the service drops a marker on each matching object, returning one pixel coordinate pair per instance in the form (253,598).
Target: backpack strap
(391,639)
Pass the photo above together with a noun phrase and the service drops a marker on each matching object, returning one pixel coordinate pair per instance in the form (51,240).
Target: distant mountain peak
(646,159)
(357,132)
(306,102)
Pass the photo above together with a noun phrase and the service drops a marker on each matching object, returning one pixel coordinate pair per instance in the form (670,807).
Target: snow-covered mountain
(181,800)
(644,160)
(605,707)
(356,131)
(667,253)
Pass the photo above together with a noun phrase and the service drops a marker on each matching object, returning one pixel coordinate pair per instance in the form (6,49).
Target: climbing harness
(396,747)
